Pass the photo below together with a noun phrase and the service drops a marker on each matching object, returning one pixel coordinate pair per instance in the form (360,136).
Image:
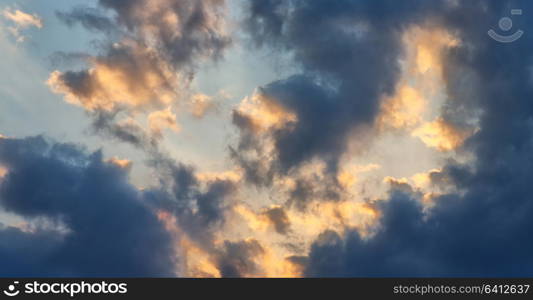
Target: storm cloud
(99,224)
(481,229)
(397,143)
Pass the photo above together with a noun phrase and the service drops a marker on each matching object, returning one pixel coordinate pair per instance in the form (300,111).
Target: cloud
(123,163)
(149,56)
(20,21)
(278,217)
(129,76)
(454,239)
(403,110)
(472,229)
(441,135)
(91,206)
(260,113)
(196,206)
(91,18)
(274,218)
(127,130)
(237,258)
(108,229)
(160,120)
(481,205)
(337,94)
(200,105)
(293,203)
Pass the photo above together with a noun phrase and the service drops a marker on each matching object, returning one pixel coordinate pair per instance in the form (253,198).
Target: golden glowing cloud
(265,113)
(337,216)
(441,135)
(231,175)
(122,163)
(421,80)
(416,101)
(273,218)
(198,263)
(22,19)
(200,105)
(420,183)
(423,180)
(347,177)
(142,81)
(404,109)
(254,221)
(160,120)
(430,46)
(194,262)
(3,172)
(274,265)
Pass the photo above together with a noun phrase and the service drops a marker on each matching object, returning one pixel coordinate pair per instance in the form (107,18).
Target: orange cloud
(265,113)
(254,221)
(137,78)
(22,19)
(420,183)
(122,163)
(404,109)
(347,177)
(160,120)
(197,262)
(430,45)
(231,175)
(337,216)
(194,261)
(274,265)
(273,218)
(3,172)
(200,105)
(441,135)
(421,79)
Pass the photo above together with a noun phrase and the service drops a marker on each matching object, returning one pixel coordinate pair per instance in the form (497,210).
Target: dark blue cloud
(343,74)
(481,234)
(97,223)
(199,207)
(483,228)
(106,229)
(347,53)
(237,258)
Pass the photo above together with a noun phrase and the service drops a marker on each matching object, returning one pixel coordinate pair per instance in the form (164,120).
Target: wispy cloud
(150,55)
(21,20)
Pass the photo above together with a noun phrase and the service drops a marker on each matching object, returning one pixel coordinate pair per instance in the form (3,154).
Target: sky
(266,138)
